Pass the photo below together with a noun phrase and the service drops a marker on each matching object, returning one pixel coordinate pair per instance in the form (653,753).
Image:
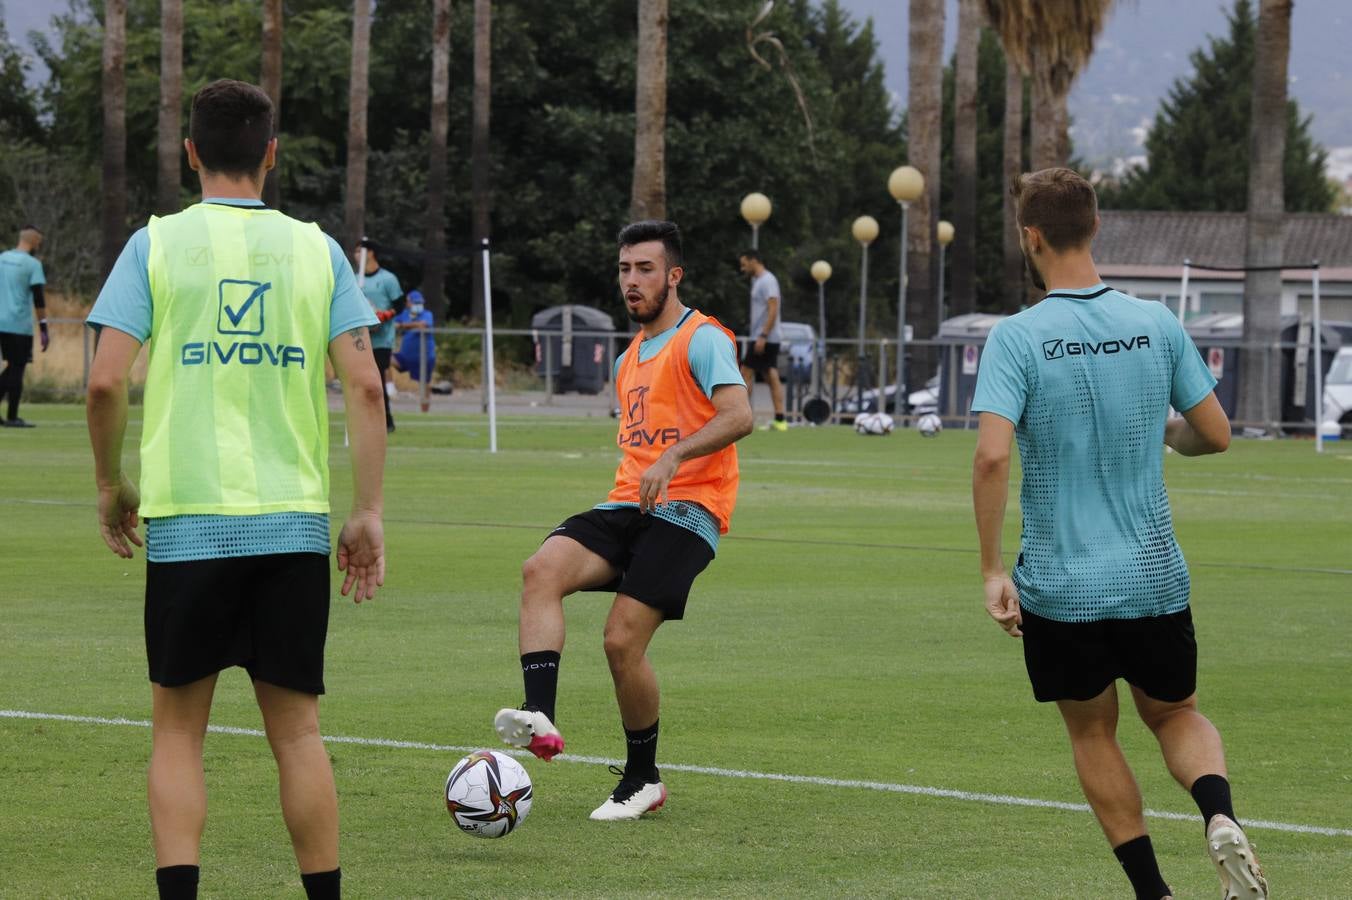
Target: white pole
(900,408)
(491,372)
(1318,367)
(361,282)
(1183,291)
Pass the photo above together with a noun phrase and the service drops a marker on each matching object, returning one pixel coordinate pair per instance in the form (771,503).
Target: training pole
(1183,291)
(361,282)
(1318,366)
(489,372)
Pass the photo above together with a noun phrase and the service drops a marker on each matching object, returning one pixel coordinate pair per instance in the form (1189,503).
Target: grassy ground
(839,635)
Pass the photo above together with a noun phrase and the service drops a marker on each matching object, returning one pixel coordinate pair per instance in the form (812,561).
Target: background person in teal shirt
(1085,379)
(386,297)
(21,281)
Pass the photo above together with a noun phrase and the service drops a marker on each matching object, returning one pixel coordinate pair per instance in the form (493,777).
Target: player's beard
(659,304)
(1033,274)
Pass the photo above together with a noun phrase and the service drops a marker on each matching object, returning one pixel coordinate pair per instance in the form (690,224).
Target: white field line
(943,793)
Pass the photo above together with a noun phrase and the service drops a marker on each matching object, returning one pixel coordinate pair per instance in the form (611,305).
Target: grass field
(839,635)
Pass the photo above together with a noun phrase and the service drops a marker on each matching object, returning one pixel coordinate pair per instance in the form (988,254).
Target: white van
(1338,389)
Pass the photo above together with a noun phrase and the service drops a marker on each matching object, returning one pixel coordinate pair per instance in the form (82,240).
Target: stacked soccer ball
(488,794)
(929,425)
(874,423)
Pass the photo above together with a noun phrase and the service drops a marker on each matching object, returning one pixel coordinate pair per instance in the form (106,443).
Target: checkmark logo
(241,306)
(1053,349)
(198,256)
(638,409)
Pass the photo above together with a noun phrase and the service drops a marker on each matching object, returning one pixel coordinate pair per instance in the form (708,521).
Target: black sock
(642,760)
(1137,857)
(1212,795)
(177,882)
(779,417)
(322,885)
(540,671)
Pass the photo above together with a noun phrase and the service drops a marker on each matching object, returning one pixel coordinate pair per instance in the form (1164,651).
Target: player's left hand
(760,346)
(44,339)
(652,487)
(118,518)
(1002,602)
(361,555)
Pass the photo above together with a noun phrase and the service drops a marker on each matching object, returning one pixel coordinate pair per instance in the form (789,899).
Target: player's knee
(621,646)
(539,578)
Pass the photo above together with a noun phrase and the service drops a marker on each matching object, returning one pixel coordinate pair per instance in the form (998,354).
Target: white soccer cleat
(1241,876)
(531,729)
(629,800)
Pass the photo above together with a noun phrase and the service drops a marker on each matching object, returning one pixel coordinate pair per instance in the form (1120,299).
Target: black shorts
(382,355)
(1078,660)
(269,614)
(760,362)
(16,348)
(658,561)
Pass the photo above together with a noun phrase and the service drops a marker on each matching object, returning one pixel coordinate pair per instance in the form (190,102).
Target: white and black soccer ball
(488,794)
(929,425)
(874,423)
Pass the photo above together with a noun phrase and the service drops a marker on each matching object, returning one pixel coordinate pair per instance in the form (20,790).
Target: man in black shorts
(1100,591)
(761,354)
(683,405)
(234,473)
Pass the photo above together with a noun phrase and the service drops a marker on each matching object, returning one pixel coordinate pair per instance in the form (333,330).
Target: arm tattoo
(358,338)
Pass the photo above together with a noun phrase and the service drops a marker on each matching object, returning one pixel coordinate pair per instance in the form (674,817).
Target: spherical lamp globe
(865,230)
(755,208)
(821,271)
(944,232)
(906,184)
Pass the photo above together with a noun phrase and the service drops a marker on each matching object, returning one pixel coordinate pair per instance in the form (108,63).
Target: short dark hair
(31,227)
(752,254)
(655,230)
(1057,202)
(230,126)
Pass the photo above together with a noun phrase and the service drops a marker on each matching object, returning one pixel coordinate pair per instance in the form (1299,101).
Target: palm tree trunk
(1014,291)
(648,197)
(1046,126)
(272,86)
(434,234)
(1259,394)
(114,131)
(925,116)
(168,135)
(963,256)
(354,202)
(481,187)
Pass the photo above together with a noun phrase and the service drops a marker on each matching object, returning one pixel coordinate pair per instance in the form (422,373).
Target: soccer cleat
(1241,876)
(630,799)
(18,423)
(775,425)
(531,729)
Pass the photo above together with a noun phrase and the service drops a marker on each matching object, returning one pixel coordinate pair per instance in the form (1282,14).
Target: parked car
(925,400)
(1338,390)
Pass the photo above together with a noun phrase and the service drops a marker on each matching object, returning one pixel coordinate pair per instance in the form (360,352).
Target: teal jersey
(1087,377)
(19,274)
(382,289)
(713,362)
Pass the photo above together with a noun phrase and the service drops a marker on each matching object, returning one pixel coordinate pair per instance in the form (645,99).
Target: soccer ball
(488,794)
(929,425)
(873,423)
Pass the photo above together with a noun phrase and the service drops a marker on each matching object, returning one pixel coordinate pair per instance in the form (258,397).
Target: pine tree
(1198,147)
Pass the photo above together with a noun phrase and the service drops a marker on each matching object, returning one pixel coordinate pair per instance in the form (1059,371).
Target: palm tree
(354,201)
(169,147)
(1014,291)
(1259,388)
(924,124)
(1052,41)
(480,176)
(434,234)
(114,131)
(964,157)
(648,197)
(272,84)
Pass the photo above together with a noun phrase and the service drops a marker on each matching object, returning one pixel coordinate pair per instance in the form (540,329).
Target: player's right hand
(361,555)
(1002,602)
(118,518)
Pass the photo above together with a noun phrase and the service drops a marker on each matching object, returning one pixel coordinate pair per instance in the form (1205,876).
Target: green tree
(1198,147)
(18,102)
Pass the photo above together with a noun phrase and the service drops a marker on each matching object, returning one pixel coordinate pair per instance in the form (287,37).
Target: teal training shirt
(381,288)
(713,362)
(1087,377)
(19,274)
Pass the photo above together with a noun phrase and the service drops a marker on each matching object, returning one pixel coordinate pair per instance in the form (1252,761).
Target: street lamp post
(906,185)
(755,209)
(865,231)
(945,235)
(821,271)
